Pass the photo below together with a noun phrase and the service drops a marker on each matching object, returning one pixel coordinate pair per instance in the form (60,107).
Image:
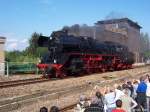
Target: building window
(115,26)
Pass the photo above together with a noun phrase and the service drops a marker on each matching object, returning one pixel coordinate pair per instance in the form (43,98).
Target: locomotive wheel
(97,70)
(45,74)
(88,71)
(111,69)
(103,70)
(49,73)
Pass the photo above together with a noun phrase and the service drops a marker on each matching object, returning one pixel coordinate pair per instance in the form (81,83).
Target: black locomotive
(70,55)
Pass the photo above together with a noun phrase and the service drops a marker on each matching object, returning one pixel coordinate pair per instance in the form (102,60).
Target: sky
(20,18)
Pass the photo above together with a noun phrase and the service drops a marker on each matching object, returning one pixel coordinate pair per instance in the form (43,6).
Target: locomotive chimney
(65,31)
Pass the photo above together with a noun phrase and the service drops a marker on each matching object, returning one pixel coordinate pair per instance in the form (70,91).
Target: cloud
(24,41)
(13,45)
(16,44)
(13,42)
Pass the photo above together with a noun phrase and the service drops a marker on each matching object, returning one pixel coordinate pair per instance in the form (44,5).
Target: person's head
(125,86)
(115,86)
(54,109)
(119,87)
(98,94)
(148,77)
(135,82)
(129,83)
(86,104)
(126,91)
(142,78)
(119,103)
(107,90)
(82,98)
(94,101)
(43,109)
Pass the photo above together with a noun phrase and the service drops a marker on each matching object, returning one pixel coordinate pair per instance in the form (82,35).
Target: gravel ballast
(64,83)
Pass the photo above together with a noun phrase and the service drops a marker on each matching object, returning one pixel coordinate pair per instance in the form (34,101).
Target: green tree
(144,42)
(12,55)
(33,44)
(33,50)
(145,45)
(30,54)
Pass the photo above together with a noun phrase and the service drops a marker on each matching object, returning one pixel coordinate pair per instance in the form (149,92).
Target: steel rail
(6,84)
(21,82)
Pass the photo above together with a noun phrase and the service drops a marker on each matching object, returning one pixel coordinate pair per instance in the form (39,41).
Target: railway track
(6,84)
(70,107)
(21,82)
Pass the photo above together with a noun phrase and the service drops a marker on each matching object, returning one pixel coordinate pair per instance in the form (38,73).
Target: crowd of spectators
(130,96)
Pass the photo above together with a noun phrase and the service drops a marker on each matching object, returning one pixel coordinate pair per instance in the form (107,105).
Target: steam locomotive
(71,55)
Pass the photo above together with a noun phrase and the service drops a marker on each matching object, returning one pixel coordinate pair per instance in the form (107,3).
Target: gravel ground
(57,84)
(70,82)
(47,86)
(62,102)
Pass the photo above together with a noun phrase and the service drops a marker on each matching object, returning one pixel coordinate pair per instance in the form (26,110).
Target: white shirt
(119,93)
(126,103)
(79,108)
(148,90)
(110,100)
(135,86)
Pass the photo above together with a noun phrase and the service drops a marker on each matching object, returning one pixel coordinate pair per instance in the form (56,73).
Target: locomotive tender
(70,55)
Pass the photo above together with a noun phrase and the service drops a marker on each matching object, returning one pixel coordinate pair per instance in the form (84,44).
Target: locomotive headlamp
(39,60)
(55,60)
(50,38)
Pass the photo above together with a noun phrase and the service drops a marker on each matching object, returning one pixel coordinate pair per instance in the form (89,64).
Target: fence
(2,68)
(10,68)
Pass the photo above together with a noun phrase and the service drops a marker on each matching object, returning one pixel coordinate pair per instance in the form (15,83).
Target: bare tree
(144,42)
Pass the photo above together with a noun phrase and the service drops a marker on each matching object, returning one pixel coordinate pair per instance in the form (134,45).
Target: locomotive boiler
(71,55)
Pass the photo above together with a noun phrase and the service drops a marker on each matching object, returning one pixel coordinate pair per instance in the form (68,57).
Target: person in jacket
(141,92)
(94,106)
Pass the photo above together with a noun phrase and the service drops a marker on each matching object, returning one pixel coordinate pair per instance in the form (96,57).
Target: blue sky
(20,18)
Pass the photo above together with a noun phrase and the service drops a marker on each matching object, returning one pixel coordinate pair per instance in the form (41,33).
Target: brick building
(2,56)
(126,32)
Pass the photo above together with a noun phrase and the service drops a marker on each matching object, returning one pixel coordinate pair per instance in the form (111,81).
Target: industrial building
(126,32)
(123,31)
(2,55)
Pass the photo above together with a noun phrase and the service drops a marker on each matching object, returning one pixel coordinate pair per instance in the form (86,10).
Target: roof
(132,23)
(2,39)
